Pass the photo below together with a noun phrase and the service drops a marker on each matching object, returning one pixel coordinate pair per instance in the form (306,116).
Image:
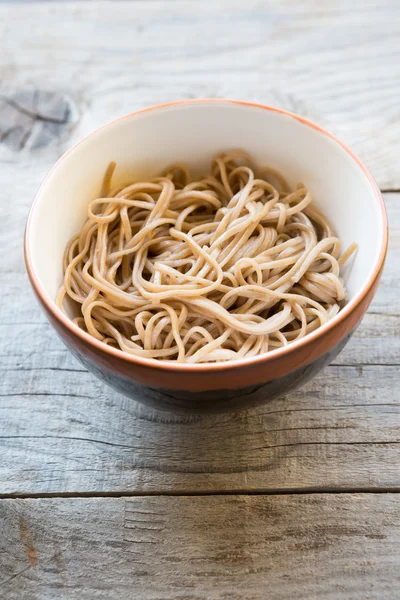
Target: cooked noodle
(227,266)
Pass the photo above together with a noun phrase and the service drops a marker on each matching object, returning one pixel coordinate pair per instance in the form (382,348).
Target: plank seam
(199,493)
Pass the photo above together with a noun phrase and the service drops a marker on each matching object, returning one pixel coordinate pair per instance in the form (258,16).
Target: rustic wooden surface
(216,547)
(330,449)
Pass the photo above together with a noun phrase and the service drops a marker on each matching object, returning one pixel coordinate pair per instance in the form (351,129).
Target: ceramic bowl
(143,144)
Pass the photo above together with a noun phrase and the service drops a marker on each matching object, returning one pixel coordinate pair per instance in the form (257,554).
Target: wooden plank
(308,547)
(337,64)
(63,431)
(66,432)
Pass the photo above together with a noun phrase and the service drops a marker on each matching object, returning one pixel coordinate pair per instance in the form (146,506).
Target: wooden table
(103,498)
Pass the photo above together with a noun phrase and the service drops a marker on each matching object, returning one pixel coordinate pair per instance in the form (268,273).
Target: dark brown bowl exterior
(228,387)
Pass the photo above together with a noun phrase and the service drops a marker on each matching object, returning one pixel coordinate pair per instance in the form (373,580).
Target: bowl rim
(266,357)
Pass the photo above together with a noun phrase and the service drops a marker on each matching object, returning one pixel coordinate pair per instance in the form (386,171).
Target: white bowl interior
(144,144)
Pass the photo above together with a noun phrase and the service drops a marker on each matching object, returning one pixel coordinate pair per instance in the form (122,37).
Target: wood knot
(33,118)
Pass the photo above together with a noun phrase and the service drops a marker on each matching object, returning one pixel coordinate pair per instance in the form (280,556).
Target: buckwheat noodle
(227,266)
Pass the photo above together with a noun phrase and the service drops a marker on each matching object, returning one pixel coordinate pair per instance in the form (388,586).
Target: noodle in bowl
(222,268)
(208,287)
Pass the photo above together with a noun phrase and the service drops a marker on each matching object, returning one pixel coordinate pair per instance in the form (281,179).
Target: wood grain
(65,432)
(327,546)
(338,64)
(62,431)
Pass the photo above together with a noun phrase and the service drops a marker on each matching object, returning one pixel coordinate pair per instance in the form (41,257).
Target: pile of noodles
(219,268)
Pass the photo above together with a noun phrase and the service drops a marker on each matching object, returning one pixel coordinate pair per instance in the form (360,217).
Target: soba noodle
(223,267)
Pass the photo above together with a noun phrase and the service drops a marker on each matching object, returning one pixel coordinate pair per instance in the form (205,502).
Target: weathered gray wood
(63,431)
(66,432)
(35,366)
(335,63)
(336,547)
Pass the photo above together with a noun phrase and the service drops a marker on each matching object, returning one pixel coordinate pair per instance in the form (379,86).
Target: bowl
(143,144)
